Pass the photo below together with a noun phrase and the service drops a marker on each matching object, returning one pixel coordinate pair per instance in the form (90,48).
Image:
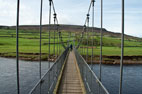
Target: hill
(76,28)
(29,43)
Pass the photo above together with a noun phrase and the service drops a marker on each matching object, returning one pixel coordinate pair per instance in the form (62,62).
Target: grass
(29,43)
(113,51)
(115,42)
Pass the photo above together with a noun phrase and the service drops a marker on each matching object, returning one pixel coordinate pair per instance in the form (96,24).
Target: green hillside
(29,43)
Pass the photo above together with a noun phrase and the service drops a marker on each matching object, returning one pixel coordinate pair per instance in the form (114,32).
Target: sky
(74,12)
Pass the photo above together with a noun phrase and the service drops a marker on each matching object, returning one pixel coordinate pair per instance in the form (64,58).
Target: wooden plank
(71,82)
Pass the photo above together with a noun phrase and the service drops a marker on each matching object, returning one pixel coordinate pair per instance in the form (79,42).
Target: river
(132,79)
(29,75)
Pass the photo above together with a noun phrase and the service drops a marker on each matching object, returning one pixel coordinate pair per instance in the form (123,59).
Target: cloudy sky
(74,12)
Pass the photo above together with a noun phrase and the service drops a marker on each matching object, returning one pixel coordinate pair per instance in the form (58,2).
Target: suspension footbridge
(70,73)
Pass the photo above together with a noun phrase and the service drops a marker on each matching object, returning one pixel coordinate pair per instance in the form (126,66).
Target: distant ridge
(71,28)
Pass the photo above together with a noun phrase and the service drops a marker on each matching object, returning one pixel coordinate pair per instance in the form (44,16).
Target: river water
(29,75)
(132,80)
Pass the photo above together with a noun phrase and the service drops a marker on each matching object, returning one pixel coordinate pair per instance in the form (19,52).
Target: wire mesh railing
(92,86)
(91,82)
(48,82)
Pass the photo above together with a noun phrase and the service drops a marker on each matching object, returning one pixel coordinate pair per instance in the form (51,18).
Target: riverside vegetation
(29,45)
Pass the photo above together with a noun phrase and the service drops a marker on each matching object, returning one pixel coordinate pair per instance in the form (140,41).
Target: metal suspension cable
(54,11)
(41,6)
(101,39)
(50,5)
(59,48)
(92,32)
(122,48)
(58,39)
(60,42)
(87,36)
(85,21)
(83,52)
(53,6)
(57,23)
(82,35)
(17,47)
(55,20)
(88,12)
(69,38)
(83,30)
(85,27)
(90,7)
(57,36)
(40,36)
(92,39)
(50,10)
(54,30)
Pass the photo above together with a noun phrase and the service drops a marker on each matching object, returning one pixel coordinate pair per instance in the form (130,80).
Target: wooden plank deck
(71,82)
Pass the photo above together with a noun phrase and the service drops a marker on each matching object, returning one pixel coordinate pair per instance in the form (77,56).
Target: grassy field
(29,44)
(112,46)
(113,51)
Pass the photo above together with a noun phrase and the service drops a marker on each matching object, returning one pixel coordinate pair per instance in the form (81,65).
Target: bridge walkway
(71,81)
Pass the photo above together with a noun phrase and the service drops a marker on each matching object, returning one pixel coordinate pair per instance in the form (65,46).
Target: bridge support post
(50,4)
(122,49)
(17,47)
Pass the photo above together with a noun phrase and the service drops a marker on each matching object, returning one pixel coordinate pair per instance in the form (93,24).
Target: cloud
(8,12)
(74,12)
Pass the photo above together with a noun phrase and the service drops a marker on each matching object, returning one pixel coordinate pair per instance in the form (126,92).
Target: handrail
(43,86)
(96,87)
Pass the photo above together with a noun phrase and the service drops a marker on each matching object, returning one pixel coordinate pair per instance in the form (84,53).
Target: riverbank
(30,56)
(115,60)
(96,60)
